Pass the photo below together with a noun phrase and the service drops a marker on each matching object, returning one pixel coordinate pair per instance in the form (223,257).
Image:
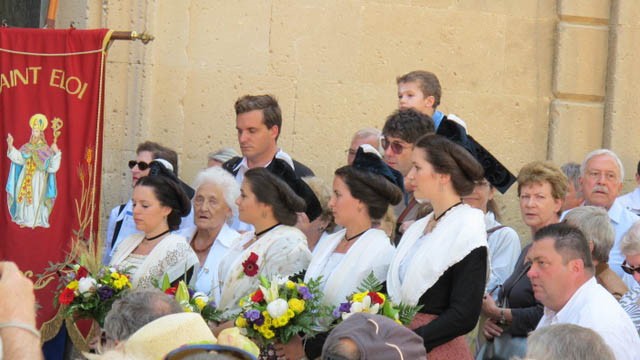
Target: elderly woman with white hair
(593,221)
(211,237)
(630,247)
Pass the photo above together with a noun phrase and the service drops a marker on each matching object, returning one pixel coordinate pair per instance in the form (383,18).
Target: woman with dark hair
(275,247)
(362,192)
(159,203)
(441,261)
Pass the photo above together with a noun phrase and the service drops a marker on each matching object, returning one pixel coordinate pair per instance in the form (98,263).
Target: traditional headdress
(369,159)
(38,122)
(281,169)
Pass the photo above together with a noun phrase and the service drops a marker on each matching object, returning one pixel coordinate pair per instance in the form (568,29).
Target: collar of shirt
(572,307)
(437,118)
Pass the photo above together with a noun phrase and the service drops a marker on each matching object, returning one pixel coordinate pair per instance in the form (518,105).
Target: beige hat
(159,337)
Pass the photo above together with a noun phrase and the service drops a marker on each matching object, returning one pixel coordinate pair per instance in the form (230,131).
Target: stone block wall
(532,78)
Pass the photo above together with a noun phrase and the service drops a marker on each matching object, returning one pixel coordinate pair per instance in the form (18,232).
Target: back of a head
(408,125)
(572,171)
(136,309)
(594,223)
(567,342)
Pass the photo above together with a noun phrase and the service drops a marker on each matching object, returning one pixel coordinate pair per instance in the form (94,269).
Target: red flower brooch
(250,265)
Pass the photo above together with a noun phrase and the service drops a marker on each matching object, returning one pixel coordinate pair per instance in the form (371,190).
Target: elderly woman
(159,203)
(504,243)
(441,261)
(318,229)
(541,189)
(630,247)
(594,223)
(211,237)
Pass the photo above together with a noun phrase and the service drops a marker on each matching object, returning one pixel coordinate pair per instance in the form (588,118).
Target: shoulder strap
(494,229)
(116,231)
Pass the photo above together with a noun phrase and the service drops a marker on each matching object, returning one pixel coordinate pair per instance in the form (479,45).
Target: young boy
(421,91)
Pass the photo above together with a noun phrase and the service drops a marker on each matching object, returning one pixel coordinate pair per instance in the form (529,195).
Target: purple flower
(105,293)
(304,292)
(212,304)
(254,316)
(345,307)
(336,312)
(191,293)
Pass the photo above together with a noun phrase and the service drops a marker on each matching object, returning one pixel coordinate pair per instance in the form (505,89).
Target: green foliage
(370,283)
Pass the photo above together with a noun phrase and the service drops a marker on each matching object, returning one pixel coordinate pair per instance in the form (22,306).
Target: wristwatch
(502,320)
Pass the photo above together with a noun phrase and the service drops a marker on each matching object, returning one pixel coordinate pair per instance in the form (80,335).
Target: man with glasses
(601,176)
(121,223)
(401,130)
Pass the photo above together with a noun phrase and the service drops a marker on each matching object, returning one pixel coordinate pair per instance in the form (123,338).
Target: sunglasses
(396,147)
(189,350)
(628,269)
(141,165)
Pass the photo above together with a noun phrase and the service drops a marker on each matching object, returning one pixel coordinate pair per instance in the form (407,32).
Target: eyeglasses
(396,146)
(628,269)
(141,165)
(188,350)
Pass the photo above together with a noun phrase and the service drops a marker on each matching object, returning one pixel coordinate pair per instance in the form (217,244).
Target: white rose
(277,308)
(86,284)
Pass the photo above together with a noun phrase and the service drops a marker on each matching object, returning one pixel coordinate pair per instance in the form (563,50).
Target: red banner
(51,98)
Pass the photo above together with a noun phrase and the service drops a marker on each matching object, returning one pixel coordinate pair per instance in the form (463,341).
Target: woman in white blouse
(362,192)
(211,237)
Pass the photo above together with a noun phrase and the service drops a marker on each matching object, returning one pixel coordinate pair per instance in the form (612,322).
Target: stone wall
(533,79)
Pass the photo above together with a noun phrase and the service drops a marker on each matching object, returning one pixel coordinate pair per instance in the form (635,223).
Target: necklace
(347,239)
(157,236)
(258,234)
(436,218)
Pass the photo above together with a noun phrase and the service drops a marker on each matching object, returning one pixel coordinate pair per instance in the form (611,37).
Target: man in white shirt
(562,278)
(631,201)
(601,175)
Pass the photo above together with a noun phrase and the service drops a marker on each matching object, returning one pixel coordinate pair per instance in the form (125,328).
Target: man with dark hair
(258,123)
(399,134)
(136,309)
(631,201)
(562,277)
(121,223)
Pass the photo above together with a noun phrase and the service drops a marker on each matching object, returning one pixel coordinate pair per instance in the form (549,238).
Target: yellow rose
(73,285)
(241,322)
(268,334)
(296,305)
(291,285)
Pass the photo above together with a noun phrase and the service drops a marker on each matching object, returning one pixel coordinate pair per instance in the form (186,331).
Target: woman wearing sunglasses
(630,247)
(441,261)
(158,207)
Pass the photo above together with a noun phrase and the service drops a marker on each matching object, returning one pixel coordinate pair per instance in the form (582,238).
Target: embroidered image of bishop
(31,186)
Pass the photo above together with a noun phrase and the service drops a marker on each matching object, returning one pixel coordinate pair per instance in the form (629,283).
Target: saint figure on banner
(31,186)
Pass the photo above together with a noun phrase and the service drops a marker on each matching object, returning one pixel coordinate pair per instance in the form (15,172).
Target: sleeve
(524,320)
(504,255)
(54,165)
(465,301)
(630,302)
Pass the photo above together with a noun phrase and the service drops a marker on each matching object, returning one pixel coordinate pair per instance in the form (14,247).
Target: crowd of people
(416,207)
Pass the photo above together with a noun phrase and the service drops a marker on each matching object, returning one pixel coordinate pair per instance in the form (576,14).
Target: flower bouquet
(91,295)
(281,308)
(369,299)
(192,301)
